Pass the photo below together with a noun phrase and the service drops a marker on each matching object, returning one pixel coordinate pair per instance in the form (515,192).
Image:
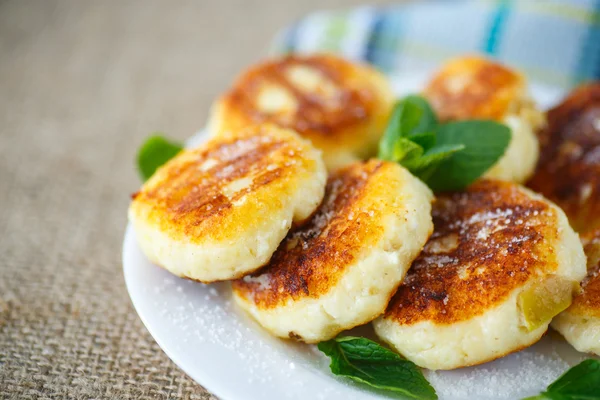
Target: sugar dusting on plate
(518,375)
(207,314)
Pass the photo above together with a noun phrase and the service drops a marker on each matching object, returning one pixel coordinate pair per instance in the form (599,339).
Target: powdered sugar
(263,281)
(203,315)
(518,375)
(439,261)
(490,215)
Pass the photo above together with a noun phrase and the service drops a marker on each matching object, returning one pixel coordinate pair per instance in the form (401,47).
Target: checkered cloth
(556,42)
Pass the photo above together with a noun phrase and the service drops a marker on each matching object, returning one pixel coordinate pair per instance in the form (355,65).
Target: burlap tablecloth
(81,84)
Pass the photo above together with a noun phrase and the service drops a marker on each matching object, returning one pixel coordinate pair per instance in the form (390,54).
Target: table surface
(81,84)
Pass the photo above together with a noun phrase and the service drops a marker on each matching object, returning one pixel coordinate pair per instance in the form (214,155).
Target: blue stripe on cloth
(373,45)
(588,65)
(384,43)
(554,41)
(496,28)
(290,38)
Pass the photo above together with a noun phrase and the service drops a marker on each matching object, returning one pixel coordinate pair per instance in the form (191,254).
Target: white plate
(218,346)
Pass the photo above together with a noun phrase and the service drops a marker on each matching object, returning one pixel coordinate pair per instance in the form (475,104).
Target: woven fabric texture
(81,84)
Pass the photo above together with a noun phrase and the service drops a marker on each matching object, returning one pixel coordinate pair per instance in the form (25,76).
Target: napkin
(553,42)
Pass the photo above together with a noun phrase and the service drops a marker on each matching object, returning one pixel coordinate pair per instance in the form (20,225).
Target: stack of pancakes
(317,237)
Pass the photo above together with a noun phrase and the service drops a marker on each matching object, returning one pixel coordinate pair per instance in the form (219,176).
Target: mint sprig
(366,361)
(483,144)
(581,382)
(412,117)
(155,151)
(446,156)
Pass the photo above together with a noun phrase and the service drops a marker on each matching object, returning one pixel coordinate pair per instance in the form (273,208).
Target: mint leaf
(424,167)
(484,143)
(433,156)
(582,382)
(425,140)
(368,362)
(155,151)
(405,149)
(411,116)
(447,156)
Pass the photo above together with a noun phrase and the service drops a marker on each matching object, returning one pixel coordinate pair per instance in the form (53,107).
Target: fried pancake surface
(340,269)
(219,211)
(476,88)
(580,323)
(588,301)
(569,168)
(340,106)
(458,304)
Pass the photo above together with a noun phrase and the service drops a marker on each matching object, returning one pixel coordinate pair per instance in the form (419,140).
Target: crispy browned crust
(486,242)
(318,117)
(474,87)
(187,197)
(313,257)
(569,168)
(588,301)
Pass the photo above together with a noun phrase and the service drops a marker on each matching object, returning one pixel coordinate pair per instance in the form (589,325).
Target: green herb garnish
(446,156)
(412,117)
(582,382)
(155,151)
(483,143)
(366,361)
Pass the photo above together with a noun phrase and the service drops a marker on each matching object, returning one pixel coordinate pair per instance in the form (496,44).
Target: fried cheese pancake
(569,168)
(341,268)
(341,107)
(580,323)
(219,211)
(501,262)
(476,88)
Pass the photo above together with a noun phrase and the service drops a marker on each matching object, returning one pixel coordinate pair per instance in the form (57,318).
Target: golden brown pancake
(340,106)
(474,88)
(477,88)
(588,301)
(580,323)
(459,304)
(569,168)
(219,211)
(340,269)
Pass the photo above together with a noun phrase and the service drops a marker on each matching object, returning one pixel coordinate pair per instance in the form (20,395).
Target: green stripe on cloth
(334,33)
(562,10)
(410,36)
